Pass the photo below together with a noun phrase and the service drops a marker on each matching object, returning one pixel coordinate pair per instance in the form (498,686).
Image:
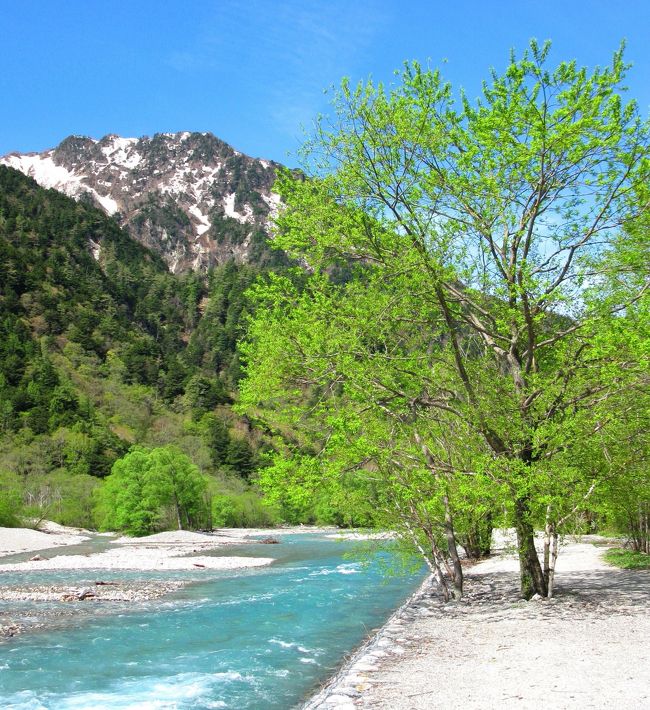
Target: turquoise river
(257,639)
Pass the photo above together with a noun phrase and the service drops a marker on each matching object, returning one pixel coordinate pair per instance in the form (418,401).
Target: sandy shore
(171,550)
(49,535)
(586,648)
(176,550)
(16,540)
(144,558)
(218,537)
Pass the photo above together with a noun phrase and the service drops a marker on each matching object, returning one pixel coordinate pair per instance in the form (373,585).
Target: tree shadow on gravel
(596,594)
(610,588)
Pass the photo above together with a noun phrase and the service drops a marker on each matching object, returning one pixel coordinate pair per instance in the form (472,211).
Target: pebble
(340,702)
(9,630)
(350,692)
(365,667)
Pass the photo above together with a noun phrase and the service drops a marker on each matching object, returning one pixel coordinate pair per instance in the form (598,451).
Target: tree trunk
(548,534)
(178,512)
(531,574)
(457,570)
(642,538)
(437,566)
(434,561)
(551,569)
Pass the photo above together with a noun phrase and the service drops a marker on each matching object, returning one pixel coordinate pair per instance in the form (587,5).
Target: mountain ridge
(189,196)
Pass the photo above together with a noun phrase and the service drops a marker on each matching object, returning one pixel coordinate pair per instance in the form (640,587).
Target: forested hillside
(101,348)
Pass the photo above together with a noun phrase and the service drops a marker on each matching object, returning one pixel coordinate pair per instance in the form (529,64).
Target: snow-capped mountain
(189,196)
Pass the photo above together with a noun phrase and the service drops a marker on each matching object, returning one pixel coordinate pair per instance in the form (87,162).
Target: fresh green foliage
(479,348)
(149,487)
(627,559)
(242,510)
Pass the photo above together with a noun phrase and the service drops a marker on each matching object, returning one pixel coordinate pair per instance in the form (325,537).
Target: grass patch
(627,559)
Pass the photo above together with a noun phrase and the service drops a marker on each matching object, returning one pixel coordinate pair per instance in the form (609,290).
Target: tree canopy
(148,486)
(498,314)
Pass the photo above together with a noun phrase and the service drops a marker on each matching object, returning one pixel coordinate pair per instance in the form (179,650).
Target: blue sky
(254,72)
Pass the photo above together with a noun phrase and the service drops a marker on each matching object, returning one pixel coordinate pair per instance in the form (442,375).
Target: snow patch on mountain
(175,192)
(108,203)
(204,222)
(45,171)
(273,202)
(229,208)
(121,152)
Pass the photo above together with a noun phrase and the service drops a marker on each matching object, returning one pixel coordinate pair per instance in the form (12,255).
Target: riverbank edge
(51,536)
(349,680)
(170,551)
(591,595)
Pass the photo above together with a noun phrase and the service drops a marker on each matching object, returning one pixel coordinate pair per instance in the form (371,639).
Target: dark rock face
(189,196)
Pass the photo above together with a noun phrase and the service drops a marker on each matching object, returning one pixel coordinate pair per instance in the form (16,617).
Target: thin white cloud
(291,50)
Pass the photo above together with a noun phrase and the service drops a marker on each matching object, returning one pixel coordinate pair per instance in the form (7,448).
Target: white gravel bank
(162,551)
(15,540)
(586,648)
(145,558)
(174,550)
(221,536)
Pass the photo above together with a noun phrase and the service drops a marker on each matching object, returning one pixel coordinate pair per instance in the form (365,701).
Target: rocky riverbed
(111,593)
(54,604)
(98,591)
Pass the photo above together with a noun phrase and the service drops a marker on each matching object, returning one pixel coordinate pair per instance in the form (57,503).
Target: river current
(257,639)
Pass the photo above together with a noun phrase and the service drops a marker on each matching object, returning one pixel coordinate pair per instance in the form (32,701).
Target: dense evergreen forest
(101,349)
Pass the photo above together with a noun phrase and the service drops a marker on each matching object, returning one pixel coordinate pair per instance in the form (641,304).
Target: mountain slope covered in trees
(101,348)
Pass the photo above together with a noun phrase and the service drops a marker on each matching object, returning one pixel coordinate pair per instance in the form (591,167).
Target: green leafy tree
(145,485)
(483,232)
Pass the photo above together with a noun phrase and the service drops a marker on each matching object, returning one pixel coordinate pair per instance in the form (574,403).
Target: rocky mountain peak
(190,196)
